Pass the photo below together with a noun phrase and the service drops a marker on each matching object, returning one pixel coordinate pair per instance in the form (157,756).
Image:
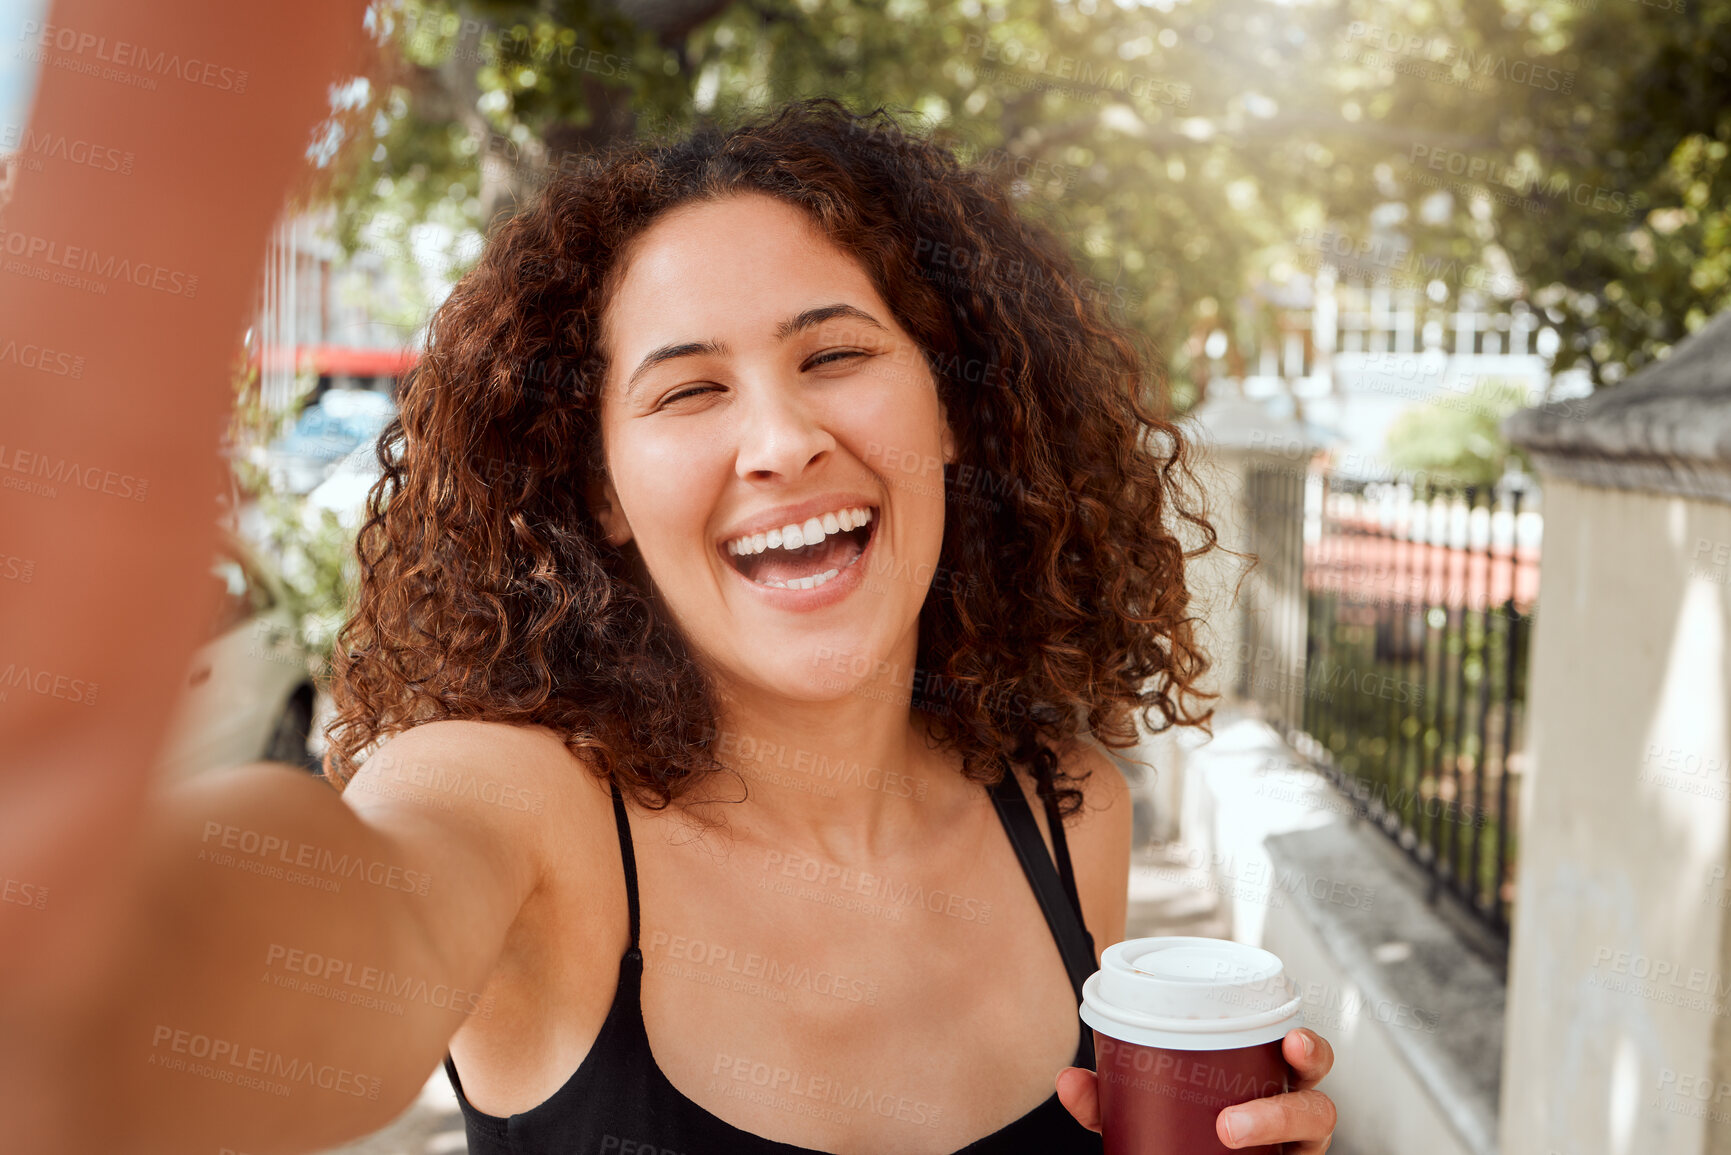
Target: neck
(849,780)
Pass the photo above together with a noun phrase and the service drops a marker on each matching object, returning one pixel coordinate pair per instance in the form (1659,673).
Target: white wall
(1624,848)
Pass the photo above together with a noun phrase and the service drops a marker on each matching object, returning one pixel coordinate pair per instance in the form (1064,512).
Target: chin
(818,672)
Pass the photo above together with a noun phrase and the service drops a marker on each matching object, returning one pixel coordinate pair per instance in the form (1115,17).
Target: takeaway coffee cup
(1184,1028)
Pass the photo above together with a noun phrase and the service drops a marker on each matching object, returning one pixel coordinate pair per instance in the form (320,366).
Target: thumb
(1078,1091)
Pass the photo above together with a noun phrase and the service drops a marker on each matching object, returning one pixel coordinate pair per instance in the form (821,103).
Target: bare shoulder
(513,790)
(496,763)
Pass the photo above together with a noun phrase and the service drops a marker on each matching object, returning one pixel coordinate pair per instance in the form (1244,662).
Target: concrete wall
(1213,580)
(1619,1010)
(1230,439)
(1383,1104)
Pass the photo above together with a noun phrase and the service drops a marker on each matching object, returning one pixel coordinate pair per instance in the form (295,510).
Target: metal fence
(1401,670)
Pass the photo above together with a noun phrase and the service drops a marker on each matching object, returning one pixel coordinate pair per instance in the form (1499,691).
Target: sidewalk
(431,1126)
(1172,893)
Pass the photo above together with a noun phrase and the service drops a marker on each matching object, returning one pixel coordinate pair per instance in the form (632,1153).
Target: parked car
(324,433)
(249,692)
(344,490)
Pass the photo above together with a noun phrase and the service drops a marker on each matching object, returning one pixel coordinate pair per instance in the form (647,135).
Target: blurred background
(1436,287)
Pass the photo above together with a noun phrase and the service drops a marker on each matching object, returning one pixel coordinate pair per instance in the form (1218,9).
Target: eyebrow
(798,324)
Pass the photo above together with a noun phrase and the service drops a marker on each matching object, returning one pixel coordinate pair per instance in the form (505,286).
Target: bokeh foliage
(1182,148)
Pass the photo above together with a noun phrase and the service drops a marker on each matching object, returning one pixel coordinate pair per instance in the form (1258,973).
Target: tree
(1161,143)
(1589,159)
(1183,148)
(1456,437)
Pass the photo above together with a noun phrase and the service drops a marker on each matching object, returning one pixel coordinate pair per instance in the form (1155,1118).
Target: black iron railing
(1410,689)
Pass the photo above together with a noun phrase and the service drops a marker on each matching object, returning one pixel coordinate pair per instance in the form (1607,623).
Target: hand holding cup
(1199,1048)
(1302,1116)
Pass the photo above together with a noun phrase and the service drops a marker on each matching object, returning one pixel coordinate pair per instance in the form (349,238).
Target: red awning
(341,360)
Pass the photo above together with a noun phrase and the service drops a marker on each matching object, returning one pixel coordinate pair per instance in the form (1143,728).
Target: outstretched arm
(142,275)
(295,961)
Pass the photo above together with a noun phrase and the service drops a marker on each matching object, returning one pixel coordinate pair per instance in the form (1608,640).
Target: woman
(766,527)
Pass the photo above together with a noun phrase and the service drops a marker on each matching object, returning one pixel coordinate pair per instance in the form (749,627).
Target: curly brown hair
(488,590)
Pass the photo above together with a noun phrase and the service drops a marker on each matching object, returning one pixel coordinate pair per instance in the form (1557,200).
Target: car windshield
(315,422)
(352,424)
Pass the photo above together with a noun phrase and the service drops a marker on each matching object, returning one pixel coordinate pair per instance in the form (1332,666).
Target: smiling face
(760,403)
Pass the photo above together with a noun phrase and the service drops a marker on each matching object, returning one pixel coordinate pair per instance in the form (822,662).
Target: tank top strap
(629,858)
(1066,873)
(1054,885)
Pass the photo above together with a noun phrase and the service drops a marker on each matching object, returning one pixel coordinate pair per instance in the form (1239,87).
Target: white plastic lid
(1190,994)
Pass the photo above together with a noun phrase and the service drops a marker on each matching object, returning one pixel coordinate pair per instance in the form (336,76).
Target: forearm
(277,990)
(115,599)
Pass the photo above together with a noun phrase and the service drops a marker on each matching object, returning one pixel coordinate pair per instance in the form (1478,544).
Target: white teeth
(798,535)
(805,583)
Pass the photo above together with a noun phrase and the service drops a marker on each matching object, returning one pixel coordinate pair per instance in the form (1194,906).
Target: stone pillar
(1618,1031)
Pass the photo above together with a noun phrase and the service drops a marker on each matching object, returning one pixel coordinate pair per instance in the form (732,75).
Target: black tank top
(619,1100)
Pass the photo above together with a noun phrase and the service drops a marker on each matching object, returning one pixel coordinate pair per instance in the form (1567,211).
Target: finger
(1079,1093)
(1309,1055)
(1296,1117)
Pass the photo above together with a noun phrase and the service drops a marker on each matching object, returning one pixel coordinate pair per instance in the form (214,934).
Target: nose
(780,436)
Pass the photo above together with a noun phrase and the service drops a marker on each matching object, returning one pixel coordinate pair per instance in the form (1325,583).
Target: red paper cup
(1184,1028)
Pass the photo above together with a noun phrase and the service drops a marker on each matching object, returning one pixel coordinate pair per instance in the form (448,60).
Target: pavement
(1172,892)
(431,1126)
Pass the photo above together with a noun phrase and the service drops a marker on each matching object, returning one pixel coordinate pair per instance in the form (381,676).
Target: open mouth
(807,555)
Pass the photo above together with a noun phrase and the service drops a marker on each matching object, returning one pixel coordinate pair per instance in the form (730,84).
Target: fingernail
(1237,1127)
(1309,1045)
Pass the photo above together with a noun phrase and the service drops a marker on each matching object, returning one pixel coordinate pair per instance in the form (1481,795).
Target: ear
(604,504)
(948,435)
